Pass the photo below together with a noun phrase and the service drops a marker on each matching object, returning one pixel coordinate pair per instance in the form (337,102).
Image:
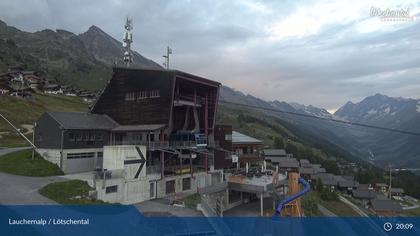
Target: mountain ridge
(86,59)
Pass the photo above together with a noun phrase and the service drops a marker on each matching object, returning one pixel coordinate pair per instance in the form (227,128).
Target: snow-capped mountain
(381,110)
(400,150)
(311,110)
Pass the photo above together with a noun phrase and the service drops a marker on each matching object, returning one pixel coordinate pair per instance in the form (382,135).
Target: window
(143,94)
(98,137)
(80,155)
(186,184)
(152,190)
(137,136)
(130,96)
(228,137)
(72,137)
(111,189)
(170,186)
(99,154)
(85,137)
(154,94)
(79,137)
(91,137)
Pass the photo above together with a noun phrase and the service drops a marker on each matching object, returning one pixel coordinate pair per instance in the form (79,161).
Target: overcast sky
(313,52)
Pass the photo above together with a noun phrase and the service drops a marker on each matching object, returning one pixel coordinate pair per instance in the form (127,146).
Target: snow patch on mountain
(372,112)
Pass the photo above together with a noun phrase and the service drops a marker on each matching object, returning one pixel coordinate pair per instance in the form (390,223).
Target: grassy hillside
(24,113)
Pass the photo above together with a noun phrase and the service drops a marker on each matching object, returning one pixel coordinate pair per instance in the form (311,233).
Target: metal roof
(304,161)
(75,120)
(288,164)
(307,170)
(239,138)
(151,127)
(386,205)
(365,194)
(326,178)
(397,190)
(381,185)
(348,184)
(275,152)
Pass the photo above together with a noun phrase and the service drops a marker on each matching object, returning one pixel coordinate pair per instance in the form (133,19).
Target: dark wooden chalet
(180,106)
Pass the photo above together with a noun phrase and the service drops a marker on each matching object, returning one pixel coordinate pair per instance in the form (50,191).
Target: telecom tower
(168,52)
(127,40)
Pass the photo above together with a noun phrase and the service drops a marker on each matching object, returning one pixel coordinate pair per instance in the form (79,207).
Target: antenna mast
(168,52)
(127,40)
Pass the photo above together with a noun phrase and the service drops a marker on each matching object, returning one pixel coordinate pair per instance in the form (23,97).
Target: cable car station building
(149,135)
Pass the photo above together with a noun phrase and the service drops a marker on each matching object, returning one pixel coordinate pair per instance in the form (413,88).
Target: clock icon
(387,226)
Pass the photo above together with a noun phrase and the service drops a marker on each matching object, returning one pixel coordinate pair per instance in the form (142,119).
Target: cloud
(318,52)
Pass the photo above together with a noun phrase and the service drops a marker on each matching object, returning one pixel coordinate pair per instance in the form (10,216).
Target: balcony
(187,100)
(164,145)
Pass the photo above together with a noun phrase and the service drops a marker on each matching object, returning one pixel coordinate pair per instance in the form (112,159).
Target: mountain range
(85,61)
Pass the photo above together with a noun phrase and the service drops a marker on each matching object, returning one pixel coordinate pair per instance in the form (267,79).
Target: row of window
(133,96)
(170,187)
(80,155)
(85,137)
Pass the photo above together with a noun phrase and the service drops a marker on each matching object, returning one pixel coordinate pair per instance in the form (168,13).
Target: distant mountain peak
(94,29)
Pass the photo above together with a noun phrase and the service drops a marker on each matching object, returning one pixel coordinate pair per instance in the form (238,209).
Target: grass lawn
(337,207)
(74,192)
(191,201)
(20,112)
(310,204)
(413,212)
(21,163)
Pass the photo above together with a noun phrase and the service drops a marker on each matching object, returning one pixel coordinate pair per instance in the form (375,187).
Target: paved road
(23,190)
(159,208)
(411,207)
(368,220)
(353,206)
(325,211)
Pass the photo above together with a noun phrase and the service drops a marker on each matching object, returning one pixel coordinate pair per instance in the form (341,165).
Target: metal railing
(159,145)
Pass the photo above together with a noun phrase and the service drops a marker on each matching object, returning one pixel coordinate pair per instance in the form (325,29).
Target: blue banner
(127,220)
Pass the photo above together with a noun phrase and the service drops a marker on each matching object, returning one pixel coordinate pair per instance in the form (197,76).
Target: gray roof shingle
(238,138)
(364,194)
(74,120)
(275,152)
(386,205)
(397,190)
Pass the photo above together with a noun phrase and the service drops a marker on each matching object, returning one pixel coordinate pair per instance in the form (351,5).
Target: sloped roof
(397,190)
(307,170)
(348,184)
(326,178)
(151,127)
(275,152)
(386,205)
(304,161)
(75,120)
(240,138)
(288,164)
(365,194)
